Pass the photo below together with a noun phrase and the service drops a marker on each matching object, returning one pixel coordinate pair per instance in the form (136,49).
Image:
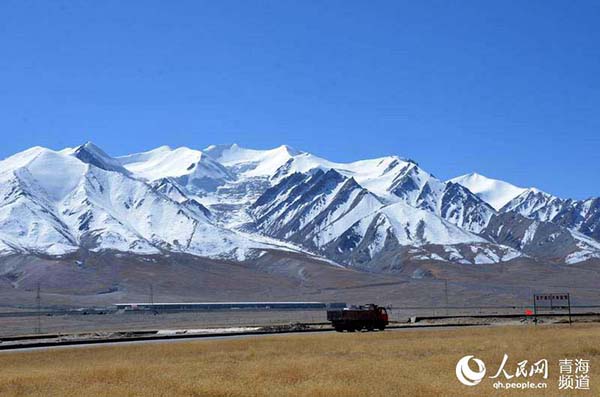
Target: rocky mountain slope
(55,203)
(230,202)
(582,216)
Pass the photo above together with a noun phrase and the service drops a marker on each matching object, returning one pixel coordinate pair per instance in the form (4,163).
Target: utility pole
(569,304)
(151,294)
(38,301)
(446,294)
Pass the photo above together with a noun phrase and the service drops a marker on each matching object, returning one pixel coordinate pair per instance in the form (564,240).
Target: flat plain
(390,363)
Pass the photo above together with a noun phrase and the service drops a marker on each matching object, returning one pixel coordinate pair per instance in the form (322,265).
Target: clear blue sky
(510,89)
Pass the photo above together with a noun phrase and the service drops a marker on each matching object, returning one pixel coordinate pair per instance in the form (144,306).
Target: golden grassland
(404,363)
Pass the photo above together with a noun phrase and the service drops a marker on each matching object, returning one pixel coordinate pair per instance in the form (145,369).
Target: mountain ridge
(226,201)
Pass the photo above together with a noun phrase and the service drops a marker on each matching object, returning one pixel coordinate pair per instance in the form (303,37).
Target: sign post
(551,302)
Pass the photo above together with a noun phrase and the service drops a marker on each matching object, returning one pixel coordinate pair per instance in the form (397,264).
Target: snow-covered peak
(532,193)
(534,190)
(21,159)
(54,173)
(535,203)
(92,154)
(143,156)
(251,162)
(377,174)
(495,192)
(235,153)
(164,162)
(217,150)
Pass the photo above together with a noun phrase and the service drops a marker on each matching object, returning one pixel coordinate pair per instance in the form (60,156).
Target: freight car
(352,319)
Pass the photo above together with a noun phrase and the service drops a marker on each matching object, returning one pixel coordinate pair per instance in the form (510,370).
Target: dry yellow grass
(408,363)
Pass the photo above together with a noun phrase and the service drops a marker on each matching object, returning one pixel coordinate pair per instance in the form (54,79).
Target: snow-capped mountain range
(230,202)
(580,215)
